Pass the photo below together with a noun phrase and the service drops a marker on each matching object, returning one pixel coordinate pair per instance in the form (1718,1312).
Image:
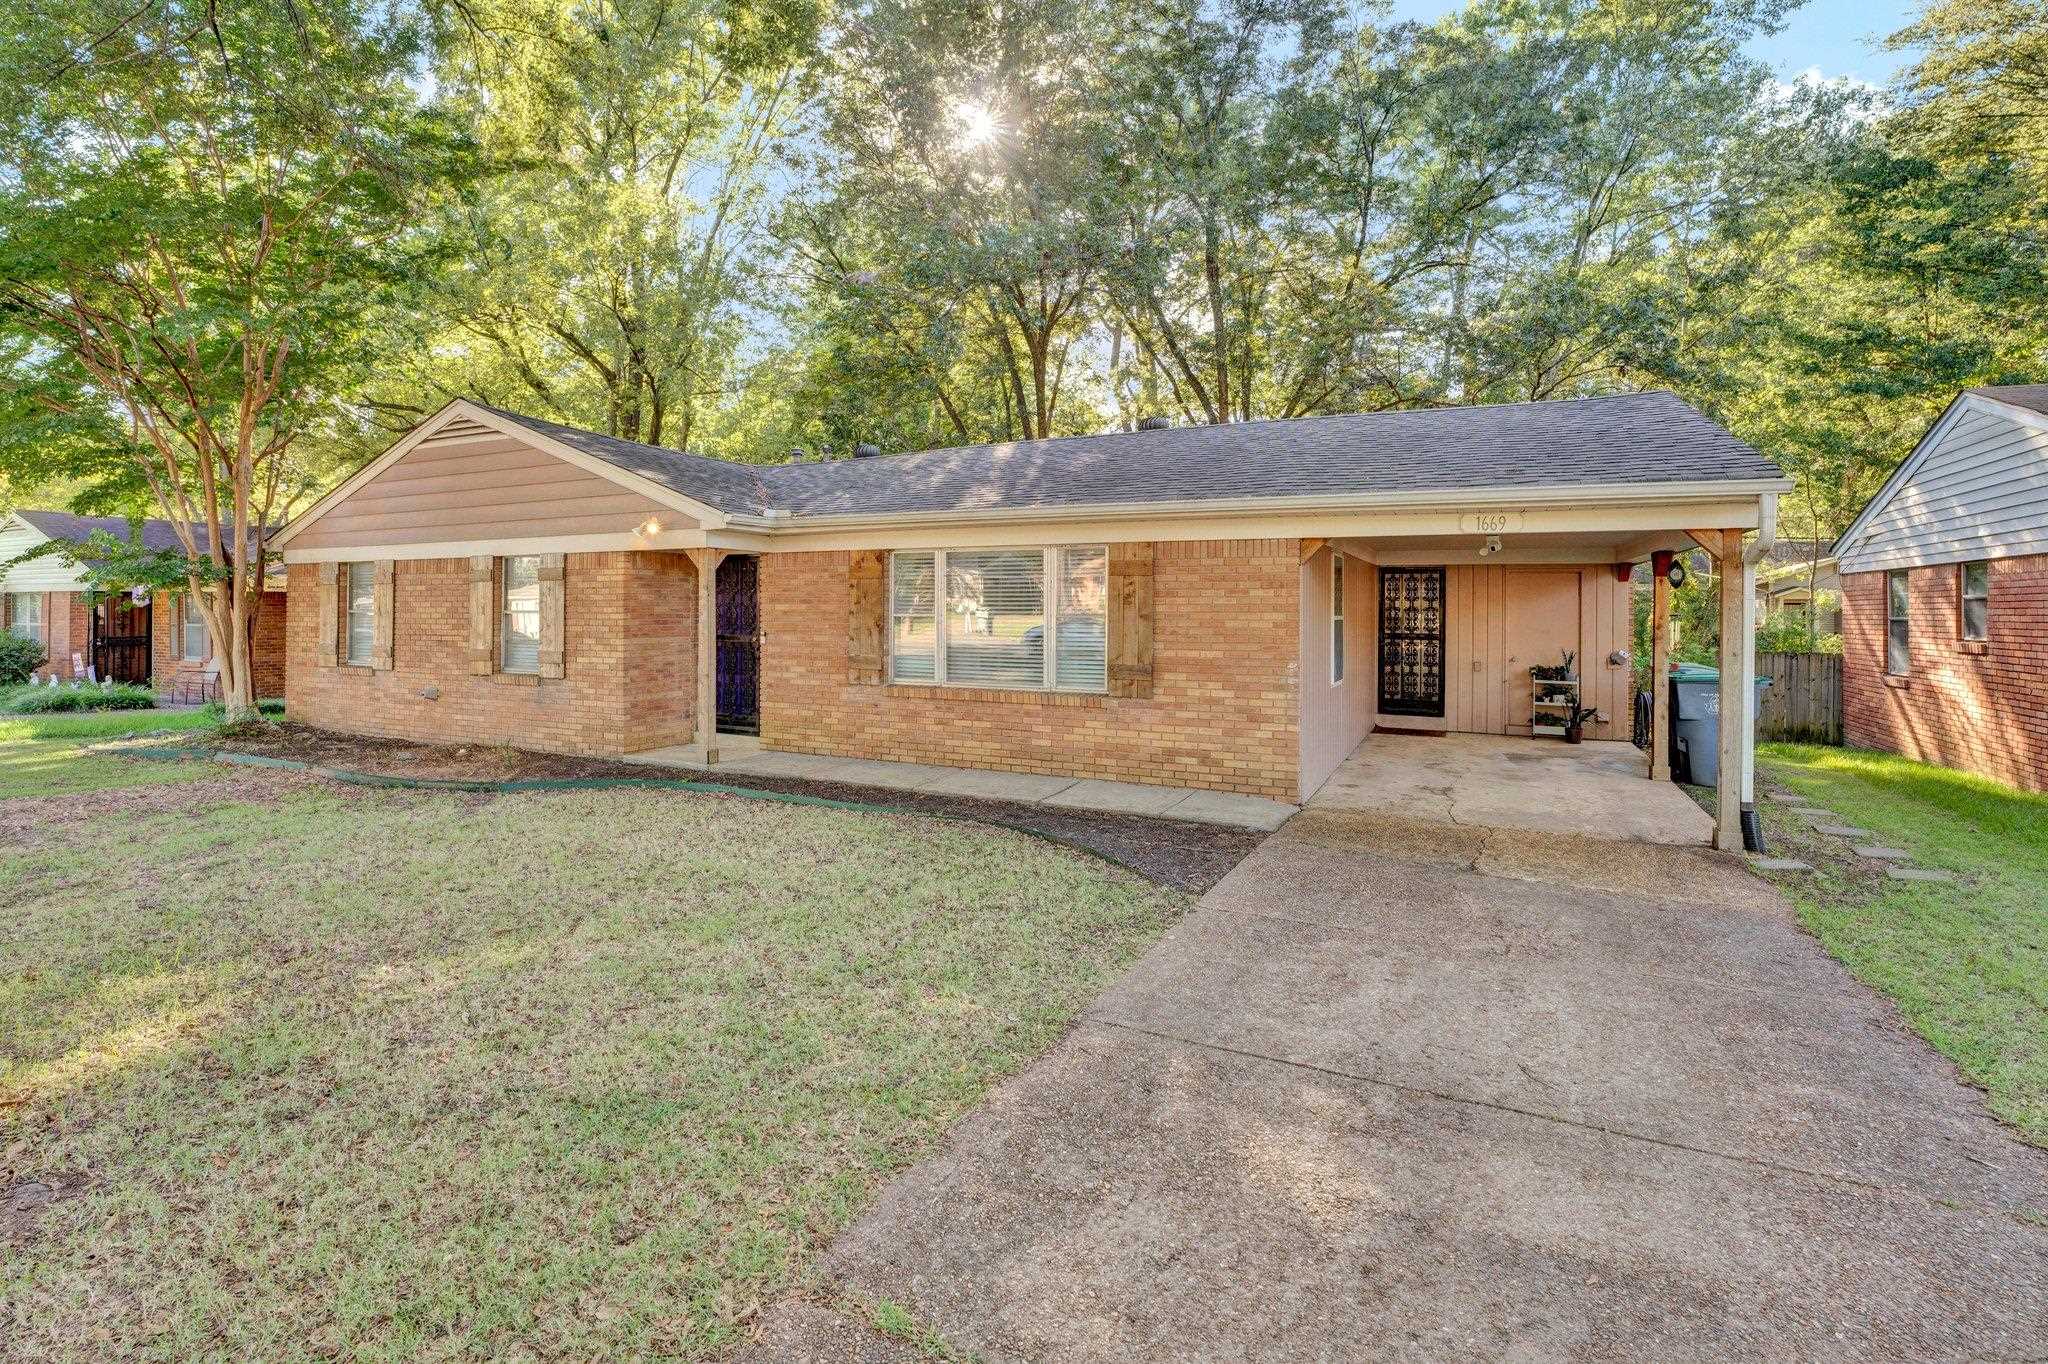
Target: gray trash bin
(1696,723)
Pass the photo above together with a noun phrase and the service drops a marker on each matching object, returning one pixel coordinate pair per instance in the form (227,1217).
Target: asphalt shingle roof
(1634,438)
(69,526)
(2033,397)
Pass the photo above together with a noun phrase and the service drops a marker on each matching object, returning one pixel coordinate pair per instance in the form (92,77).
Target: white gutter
(1596,494)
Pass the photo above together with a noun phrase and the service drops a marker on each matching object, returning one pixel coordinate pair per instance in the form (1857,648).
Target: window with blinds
(25,615)
(1025,619)
(519,627)
(193,627)
(1898,647)
(362,613)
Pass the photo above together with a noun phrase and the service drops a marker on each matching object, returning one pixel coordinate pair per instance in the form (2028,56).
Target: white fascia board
(463,409)
(1435,499)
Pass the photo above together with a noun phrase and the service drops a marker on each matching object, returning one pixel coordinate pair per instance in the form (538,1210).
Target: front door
(1411,641)
(120,639)
(1542,627)
(739,645)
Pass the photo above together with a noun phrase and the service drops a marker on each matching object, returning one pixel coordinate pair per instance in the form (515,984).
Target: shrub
(57,700)
(18,658)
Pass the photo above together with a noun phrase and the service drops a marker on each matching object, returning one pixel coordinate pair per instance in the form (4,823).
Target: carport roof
(1630,440)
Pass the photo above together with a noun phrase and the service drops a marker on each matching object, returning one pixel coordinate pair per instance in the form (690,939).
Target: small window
(1897,653)
(1082,655)
(1977,600)
(913,616)
(192,630)
(25,615)
(362,614)
(519,630)
(1336,618)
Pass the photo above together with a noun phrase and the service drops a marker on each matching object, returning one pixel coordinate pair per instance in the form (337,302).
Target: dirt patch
(1186,856)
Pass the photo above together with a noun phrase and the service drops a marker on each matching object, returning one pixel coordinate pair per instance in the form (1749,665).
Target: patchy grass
(1966,962)
(39,755)
(315,1071)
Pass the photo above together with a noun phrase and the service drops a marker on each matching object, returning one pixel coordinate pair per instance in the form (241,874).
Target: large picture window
(519,628)
(362,614)
(1026,619)
(1898,655)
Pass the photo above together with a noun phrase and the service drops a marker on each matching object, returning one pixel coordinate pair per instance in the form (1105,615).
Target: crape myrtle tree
(209,216)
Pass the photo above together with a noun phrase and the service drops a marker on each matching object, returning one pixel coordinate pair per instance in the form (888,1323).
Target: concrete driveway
(1420,1091)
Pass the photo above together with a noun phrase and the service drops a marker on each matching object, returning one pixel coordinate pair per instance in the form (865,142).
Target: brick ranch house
(1945,595)
(111,636)
(1231,608)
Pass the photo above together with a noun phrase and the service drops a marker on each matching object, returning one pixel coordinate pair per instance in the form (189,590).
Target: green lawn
(39,755)
(326,1072)
(1966,962)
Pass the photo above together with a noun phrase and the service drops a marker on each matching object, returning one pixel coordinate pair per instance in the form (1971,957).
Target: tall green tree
(207,215)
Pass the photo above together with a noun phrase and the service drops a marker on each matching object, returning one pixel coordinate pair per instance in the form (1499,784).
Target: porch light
(1492,546)
(650,527)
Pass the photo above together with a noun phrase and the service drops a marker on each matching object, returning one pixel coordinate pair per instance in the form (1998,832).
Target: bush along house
(1223,607)
(1945,595)
(147,639)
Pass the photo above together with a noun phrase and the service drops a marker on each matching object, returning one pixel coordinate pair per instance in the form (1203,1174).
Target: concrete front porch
(743,756)
(1542,785)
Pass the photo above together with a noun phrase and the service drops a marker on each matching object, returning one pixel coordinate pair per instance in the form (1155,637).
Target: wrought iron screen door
(1411,641)
(739,645)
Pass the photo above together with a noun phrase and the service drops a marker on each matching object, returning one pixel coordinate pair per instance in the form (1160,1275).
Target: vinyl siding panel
(1980,492)
(37,575)
(468,482)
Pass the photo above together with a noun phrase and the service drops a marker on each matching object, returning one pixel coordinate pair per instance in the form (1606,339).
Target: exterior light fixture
(1676,573)
(1492,546)
(650,527)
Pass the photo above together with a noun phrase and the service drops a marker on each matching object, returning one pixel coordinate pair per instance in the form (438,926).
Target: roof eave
(1614,494)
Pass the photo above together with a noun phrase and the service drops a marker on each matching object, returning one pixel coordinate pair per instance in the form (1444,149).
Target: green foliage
(19,658)
(65,698)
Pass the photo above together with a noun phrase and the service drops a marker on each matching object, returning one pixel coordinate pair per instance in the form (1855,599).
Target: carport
(1595,789)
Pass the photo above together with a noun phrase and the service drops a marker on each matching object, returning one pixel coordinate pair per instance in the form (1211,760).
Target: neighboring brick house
(112,636)
(1945,595)
(1231,608)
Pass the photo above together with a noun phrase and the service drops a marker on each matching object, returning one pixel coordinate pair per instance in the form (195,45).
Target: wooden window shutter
(1130,620)
(385,598)
(867,581)
(551,615)
(330,617)
(483,613)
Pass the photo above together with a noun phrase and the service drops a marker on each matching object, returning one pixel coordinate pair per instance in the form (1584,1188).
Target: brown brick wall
(1224,713)
(1979,707)
(177,676)
(628,654)
(67,631)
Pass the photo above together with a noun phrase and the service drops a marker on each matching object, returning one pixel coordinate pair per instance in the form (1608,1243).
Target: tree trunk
(1219,316)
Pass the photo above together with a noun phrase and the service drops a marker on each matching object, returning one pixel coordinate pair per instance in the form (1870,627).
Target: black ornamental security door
(1411,641)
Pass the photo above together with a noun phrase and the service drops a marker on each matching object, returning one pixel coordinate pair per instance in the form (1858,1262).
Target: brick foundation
(629,640)
(1981,707)
(1224,713)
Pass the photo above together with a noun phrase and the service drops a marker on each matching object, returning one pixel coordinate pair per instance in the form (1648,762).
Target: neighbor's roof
(1628,439)
(2033,397)
(58,525)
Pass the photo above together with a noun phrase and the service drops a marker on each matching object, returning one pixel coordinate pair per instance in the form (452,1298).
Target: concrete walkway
(746,757)
(1415,1090)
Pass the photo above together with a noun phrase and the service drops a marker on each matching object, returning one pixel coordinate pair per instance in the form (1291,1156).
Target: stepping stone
(1918,874)
(1815,812)
(1780,864)
(1841,830)
(1881,853)
(1780,793)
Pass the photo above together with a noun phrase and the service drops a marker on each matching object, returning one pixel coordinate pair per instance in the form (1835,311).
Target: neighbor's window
(1336,618)
(1977,600)
(1897,656)
(192,630)
(25,614)
(985,617)
(519,590)
(362,613)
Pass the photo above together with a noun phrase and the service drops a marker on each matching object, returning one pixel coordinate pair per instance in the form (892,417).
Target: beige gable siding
(468,482)
(1979,492)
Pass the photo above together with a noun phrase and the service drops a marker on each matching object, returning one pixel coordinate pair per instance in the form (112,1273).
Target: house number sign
(1490,523)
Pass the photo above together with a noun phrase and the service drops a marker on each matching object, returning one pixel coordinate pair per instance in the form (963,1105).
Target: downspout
(1752,555)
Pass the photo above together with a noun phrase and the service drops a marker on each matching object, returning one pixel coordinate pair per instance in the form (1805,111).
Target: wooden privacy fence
(1803,704)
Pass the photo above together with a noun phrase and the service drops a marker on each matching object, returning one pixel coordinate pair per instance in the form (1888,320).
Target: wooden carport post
(1660,665)
(1735,696)
(706,562)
